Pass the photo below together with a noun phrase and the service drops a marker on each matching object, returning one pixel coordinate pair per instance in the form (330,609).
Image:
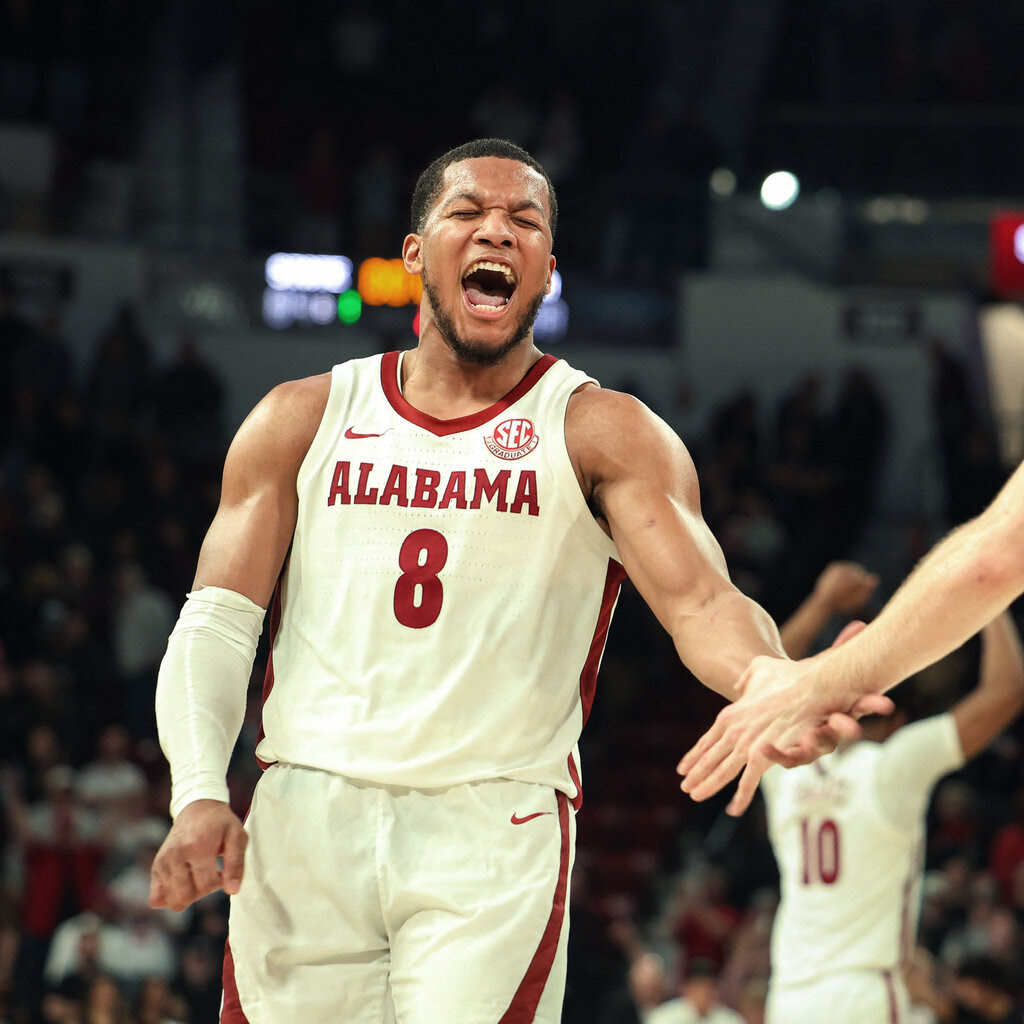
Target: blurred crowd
(108,477)
(618,107)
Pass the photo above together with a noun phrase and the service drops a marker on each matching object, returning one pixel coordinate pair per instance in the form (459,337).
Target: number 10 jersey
(444,605)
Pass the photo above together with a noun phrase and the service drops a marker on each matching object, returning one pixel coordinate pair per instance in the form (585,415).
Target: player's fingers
(873,704)
(747,786)
(234,859)
(722,767)
(849,631)
(791,757)
(157,898)
(843,727)
(202,863)
(697,752)
(178,883)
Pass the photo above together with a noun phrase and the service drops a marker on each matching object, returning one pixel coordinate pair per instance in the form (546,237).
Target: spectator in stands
(984,989)
(188,400)
(61,851)
(698,1001)
(119,380)
(143,618)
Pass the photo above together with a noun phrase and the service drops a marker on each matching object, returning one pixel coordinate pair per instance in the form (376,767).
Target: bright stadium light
(308,272)
(779,190)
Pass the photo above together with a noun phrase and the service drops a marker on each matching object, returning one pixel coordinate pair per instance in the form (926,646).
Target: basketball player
(964,582)
(848,832)
(443,532)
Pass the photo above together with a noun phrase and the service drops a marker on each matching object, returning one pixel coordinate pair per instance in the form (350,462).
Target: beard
(479,352)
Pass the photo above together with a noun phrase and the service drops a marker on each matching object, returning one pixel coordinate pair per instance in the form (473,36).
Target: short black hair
(430,182)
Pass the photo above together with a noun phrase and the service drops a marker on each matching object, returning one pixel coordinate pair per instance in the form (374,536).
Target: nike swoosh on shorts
(516,820)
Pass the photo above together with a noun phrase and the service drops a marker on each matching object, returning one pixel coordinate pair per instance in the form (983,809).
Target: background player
(848,830)
(968,578)
(452,524)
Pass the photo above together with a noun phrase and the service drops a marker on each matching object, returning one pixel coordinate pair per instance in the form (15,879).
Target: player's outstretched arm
(961,585)
(642,486)
(204,675)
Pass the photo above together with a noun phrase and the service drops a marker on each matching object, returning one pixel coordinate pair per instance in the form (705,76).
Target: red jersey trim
(574,774)
(268,678)
(523,1007)
(588,677)
(441,428)
(231,1011)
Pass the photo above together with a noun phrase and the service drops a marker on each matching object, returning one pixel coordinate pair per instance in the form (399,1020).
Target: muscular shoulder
(611,435)
(276,435)
(289,415)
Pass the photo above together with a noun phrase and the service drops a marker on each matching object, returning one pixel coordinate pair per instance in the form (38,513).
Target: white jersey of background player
(848,834)
(452,524)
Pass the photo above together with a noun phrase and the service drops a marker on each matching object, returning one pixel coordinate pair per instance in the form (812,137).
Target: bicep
(246,544)
(652,507)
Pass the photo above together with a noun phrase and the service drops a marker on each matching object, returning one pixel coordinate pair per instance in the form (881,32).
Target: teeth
(489,308)
(488,265)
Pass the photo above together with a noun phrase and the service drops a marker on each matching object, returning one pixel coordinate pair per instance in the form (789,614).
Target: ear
(551,270)
(411,250)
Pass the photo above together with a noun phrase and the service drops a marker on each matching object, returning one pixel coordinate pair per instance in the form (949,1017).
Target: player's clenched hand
(845,587)
(185,867)
(782,717)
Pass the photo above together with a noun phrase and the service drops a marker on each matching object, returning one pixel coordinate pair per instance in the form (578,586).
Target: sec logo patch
(512,439)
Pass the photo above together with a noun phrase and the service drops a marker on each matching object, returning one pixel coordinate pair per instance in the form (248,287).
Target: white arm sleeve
(201,688)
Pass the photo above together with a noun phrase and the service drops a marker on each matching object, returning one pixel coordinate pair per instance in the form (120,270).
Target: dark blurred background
(841,346)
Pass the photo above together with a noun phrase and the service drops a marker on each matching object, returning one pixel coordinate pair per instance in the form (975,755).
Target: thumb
(848,632)
(235,842)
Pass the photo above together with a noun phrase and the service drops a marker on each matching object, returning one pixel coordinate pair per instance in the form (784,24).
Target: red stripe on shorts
(890,989)
(231,1011)
(524,1003)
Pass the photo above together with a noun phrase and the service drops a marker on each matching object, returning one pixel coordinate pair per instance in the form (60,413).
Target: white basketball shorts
(376,904)
(846,997)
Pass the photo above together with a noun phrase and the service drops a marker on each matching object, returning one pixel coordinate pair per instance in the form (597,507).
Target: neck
(439,383)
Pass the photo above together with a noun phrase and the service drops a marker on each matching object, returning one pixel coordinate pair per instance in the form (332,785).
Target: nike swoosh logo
(353,436)
(516,820)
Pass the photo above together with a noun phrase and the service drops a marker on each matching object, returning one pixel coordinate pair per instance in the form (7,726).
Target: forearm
(719,640)
(201,691)
(961,585)
(798,632)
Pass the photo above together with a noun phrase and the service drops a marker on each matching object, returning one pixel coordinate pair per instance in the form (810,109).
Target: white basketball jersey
(850,873)
(444,606)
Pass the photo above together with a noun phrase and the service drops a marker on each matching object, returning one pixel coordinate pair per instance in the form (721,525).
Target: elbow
(998,570)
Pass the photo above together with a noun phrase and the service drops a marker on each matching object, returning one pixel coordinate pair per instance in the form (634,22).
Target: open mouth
(488,286)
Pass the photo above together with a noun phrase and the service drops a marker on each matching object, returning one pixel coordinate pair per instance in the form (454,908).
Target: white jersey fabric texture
(443,609)
(850,855)
(679,1011)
